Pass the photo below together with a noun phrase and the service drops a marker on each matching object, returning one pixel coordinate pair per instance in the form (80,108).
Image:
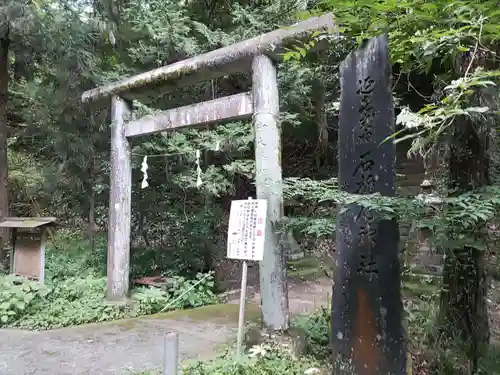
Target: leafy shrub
(150,300)
(72,302)
(16,296)
(72,256)
(193,293)
(75,301)
(75,288)
(317,328)
(262,360)
(182,294)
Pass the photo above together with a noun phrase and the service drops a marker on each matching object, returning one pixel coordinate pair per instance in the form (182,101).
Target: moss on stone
(220,313)
(307,268)
(410,289)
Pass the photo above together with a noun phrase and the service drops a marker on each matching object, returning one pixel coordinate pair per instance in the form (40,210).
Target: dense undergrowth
(420,302)
(75,287)
(74,294)
(422,360)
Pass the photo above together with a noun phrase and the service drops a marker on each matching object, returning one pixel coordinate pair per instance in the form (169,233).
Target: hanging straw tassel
(198,169)
(144,168)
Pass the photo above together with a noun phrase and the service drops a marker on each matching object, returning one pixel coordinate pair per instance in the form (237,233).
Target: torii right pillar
(269,181)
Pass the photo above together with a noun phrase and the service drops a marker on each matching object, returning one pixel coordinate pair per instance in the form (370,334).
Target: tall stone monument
(367,332)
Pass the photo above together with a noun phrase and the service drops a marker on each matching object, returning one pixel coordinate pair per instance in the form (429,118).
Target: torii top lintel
(220,62)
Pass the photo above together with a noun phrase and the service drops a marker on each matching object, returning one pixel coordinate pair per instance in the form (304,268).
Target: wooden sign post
(245,241)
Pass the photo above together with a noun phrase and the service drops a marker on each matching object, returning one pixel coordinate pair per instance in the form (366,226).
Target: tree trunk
(208,247)
(91,225)
(463,315)
(321,121)
(4,83)
(91,228)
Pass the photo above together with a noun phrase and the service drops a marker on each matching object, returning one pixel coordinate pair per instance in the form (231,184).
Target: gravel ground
(105,348)
(132,345)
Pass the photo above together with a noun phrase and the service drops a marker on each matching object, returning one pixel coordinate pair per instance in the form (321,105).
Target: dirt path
(136,344)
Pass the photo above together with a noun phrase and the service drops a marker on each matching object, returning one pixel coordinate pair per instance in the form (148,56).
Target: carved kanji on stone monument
(367,332)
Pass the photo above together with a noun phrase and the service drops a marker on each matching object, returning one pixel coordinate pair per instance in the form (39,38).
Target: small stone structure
(28,245)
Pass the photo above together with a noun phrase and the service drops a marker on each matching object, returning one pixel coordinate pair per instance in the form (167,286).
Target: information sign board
(247,228)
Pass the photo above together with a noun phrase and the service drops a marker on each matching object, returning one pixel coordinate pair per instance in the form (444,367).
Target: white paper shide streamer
(198,169)
(144,168)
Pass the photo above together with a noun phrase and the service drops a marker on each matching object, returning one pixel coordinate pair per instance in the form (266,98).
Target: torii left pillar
(120,202)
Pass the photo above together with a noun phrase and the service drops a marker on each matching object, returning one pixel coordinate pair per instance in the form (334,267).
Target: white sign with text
(247,228)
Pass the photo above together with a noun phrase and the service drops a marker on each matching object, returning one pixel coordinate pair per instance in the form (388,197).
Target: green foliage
(453,221)
(261,361)
(318,329)
(151,300)
(16,295)
(80,300)
(74,290)
(70,255)
(420,31)
(491,362)
(71,302)
(188,248)
(193,293)
(420,317)
(26,176)
(235,139)
(273,360)
(441,38)
(434,120)
(313,227)
(59,150)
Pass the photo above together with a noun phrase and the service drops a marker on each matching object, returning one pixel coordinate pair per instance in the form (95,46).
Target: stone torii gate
(257,55)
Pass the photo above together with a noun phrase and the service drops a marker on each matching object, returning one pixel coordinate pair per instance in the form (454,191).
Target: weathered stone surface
(269,184)
(217,63)
(120,203)
(314,371)
(234,107)
(294,339)
(234,295)
(293,249)
(367,332)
